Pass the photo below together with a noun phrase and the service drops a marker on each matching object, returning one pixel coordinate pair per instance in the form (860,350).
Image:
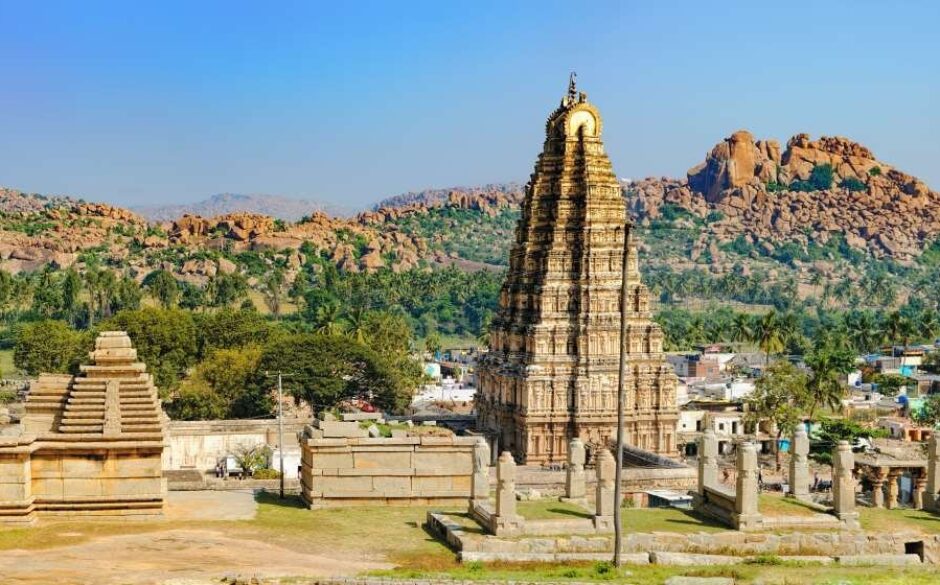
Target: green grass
(667,520)
(380,532)
(885,521)
(549,509)
(633,519)
(777,505)
(746,574)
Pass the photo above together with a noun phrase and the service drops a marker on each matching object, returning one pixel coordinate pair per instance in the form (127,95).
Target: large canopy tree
(324,370)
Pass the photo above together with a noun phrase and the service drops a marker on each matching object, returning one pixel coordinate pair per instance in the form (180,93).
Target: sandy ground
(174,556)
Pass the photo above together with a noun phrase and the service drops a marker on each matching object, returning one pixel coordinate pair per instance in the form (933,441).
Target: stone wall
(822,546)
(200,444)
(345,471)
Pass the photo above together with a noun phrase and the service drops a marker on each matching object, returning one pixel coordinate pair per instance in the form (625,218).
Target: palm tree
(357,320)
(828,364)
(770,334)
(742,329)
(862,329)
(895,326)
(928,324)
(815,280)
(328,319)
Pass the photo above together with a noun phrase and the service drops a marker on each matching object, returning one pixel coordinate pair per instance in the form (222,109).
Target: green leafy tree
(47,294)
(49,346)
(220,387)
(165,339)
(274,291)
(225,289)
(163,287)
(231,328)
(780,397)
(833,430)
(328,369)
(929,414)
(891,384)
(830,361)
(71,289)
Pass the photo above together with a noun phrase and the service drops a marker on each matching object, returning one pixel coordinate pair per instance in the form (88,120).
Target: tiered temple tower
(552,367)
(90,444)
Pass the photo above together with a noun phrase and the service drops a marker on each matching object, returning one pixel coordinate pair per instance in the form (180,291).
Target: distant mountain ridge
(277,206)
(431,197)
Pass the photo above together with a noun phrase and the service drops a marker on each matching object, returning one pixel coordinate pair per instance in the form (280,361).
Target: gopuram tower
(552,368)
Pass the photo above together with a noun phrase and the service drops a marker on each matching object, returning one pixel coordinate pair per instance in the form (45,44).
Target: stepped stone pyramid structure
(90,444)
(552,368)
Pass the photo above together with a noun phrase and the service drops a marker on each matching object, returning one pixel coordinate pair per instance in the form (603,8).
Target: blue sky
(150,102)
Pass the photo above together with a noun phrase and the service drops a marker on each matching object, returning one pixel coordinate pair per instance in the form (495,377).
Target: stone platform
(713,548)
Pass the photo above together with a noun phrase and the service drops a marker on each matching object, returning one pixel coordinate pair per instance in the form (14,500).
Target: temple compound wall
(551,372)
(198,445)
(90,444)
(342,466)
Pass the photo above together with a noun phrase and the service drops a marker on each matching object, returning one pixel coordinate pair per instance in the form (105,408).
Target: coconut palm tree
(770,334)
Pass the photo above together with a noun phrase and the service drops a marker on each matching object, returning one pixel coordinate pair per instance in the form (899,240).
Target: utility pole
(280,425)
(280,428)
(618,475)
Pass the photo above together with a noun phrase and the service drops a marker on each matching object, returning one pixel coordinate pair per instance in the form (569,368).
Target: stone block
(382,459)
(690,559)
(346,486)
(392,486)
(333,461)
(79,487)
(341,430)
(883,560)
(443,462)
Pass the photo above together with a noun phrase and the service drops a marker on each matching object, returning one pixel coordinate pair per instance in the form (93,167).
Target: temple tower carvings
(551,371)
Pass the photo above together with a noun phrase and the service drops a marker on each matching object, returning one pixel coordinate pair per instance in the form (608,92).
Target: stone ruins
(341,465)
(552,367)
(91,444)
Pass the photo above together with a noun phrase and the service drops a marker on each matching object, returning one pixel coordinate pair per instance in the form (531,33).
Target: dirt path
(183,556)
(173,555)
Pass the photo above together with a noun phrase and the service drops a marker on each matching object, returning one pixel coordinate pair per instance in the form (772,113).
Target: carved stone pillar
(574,479)
(506,521)
(604,499)
(878,477)
(707,461)
(920,484)
(480,488)
(843,485)
(893,489)
(747,516)
(931,500)
(799,464)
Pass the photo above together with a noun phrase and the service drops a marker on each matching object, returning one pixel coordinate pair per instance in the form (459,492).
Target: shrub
(875,171)
(7,396)
(821,177)
(714,216)
(266,474)
(775,187)
(852,184)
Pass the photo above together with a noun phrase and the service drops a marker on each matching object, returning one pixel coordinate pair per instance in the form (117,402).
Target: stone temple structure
(551,372)
(90,444)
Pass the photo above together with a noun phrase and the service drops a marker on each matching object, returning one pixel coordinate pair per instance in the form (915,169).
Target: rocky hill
(825,206)
(807,193)
(286,208)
